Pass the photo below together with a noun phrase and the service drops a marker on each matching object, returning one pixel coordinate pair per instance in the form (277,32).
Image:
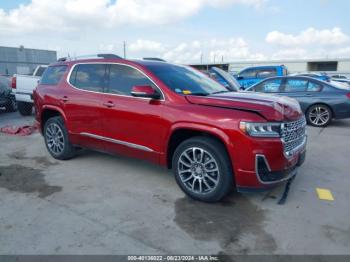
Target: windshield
(186,80)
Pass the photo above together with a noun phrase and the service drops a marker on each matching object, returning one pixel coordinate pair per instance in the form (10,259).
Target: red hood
(271,107)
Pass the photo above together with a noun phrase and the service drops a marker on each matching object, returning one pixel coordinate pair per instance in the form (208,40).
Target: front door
(133,126)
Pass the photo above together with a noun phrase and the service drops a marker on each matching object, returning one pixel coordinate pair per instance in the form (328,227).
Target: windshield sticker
(186,92)
(177,90)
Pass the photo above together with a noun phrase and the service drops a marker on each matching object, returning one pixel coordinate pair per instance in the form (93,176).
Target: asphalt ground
(109,204)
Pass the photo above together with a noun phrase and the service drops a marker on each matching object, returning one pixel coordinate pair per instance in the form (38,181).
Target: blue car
(320,101)
(319,76)
(252,75)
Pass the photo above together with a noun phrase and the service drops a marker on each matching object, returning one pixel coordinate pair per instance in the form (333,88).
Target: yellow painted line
(324,194)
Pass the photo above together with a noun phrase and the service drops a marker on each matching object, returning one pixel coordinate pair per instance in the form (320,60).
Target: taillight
(348,95)
(13,82)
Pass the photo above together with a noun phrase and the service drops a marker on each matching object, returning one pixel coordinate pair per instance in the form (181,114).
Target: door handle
(308,94)
(109,104)
(64,99)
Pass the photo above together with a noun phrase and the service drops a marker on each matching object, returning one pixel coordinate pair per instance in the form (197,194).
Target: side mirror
(145,91)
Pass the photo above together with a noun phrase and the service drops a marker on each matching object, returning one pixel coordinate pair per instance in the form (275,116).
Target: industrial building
(331,66)
(20,60)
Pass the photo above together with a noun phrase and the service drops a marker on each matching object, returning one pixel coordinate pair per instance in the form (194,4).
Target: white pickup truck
(23,86)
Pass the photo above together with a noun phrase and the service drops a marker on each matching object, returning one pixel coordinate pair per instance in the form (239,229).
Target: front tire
(203,169)
(24,108)
(319,115)
(57,140)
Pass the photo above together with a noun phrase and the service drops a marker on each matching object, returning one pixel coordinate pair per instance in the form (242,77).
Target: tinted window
(40,71)
(264,73)
(123,78)
(314,87)
(53,75)
(269,86)
(89,77)
(296,85)
(249,73)
(185,80)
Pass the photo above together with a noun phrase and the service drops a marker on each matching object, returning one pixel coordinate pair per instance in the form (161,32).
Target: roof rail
(106,56)
(154,59)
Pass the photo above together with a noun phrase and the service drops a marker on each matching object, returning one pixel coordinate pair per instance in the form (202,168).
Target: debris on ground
(19,130)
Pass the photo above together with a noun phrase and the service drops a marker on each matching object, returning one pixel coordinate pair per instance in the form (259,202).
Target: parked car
(319,76)
(341,78)
(319,100)
(175,116)
(224,79)
(7,98)
(23,86)
(252,75)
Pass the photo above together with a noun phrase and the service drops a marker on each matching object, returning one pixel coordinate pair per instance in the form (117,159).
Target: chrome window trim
(111,63)
(120,142)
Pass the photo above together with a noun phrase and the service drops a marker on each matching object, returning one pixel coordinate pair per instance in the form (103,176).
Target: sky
(183,31)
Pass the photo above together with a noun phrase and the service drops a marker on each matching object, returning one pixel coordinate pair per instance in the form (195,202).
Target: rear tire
(202,169)
(57,140)
(25,108)
(319,115)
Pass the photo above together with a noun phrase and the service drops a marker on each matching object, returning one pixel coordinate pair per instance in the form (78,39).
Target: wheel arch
(49,112)
(180,133)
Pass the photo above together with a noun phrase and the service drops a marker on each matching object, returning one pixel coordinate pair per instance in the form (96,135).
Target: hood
(271,107)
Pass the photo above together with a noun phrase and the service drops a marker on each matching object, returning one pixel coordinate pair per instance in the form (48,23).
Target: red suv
(173,115)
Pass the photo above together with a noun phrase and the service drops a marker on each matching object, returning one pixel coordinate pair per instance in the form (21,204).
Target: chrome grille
(293,134)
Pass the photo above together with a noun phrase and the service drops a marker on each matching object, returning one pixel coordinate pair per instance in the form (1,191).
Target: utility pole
(201,58)
(124,49)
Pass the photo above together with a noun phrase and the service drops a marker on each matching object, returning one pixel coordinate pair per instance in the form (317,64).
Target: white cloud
(205,51)
(71,15)
(145,46)
(310,36)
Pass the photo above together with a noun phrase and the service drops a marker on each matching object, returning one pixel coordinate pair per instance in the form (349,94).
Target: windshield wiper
(220,92)
(199,94)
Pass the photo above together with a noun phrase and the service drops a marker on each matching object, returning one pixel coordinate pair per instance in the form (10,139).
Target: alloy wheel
(319,116)
(198,170)
(54,138)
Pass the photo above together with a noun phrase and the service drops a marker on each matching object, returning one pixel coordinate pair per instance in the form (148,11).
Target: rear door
(302,89)
(83,103)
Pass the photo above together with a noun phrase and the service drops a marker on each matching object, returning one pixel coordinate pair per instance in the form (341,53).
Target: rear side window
(296,85)
(53,75)
(90,77)
(314,87)
(249,73)
(264,73)
(123,78)
(269,86)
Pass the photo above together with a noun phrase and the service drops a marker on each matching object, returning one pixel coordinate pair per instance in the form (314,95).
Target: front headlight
(261,129)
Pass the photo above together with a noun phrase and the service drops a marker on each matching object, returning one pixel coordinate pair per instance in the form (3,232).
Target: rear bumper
(24,97)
